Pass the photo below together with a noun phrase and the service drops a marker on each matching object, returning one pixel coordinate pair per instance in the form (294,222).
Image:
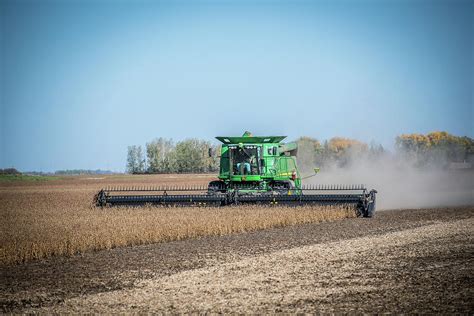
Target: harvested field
(58,218)
(402,261)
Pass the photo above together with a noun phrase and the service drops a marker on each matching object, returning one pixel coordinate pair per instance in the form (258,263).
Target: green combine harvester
(253,170)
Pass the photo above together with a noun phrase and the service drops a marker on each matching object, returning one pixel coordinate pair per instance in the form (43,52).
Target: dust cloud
(400,185)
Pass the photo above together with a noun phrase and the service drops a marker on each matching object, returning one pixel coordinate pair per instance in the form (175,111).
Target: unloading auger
(253,170)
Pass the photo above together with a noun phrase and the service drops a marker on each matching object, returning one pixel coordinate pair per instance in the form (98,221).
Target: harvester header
(253,170)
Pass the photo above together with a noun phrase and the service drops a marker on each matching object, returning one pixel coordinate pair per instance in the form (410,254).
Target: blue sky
(82,80)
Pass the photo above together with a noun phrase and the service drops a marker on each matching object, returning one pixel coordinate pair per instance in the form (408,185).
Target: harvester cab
(253,170)
(260,164)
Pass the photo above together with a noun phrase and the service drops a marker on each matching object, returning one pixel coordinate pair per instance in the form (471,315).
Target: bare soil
(401,261)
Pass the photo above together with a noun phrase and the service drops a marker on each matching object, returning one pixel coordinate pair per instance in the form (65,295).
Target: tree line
(193,155)
(435,149)
(10,171)
(165,156)
(337,151)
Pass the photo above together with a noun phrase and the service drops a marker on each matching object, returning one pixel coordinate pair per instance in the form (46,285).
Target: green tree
(160,155)
(192,155)
(309,151)
(213,161)
(135,160)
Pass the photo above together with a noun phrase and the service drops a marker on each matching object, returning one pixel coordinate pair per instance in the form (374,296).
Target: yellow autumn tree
(437,148)
(344,150)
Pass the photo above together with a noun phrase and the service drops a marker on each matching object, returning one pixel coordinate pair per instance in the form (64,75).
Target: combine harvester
(253,170)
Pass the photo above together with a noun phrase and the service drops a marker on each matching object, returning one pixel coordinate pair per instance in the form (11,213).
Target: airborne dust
(400,184)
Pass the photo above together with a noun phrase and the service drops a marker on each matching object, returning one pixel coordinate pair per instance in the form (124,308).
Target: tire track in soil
(307,279)
(50,282)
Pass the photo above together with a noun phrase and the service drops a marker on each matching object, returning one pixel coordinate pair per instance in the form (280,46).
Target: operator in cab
(247,165)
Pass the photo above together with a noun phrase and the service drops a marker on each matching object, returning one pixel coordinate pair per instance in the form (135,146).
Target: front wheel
(366,208)
(370,210)
(216,187)
(282,187)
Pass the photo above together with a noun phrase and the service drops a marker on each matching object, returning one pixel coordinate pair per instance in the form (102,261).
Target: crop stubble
(421,269)
(403,261)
